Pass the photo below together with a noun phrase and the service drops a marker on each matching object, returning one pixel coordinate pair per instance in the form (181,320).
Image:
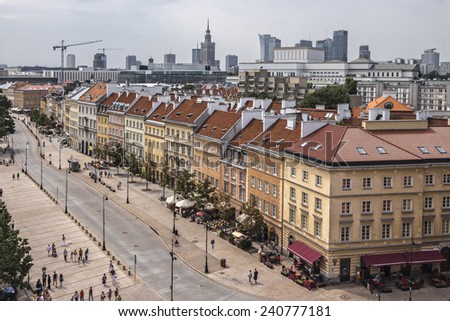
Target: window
(318,204)
(446,179)
(385,231)
(381,150)
(429,179)
(304,198)
(366,207)
(292,214)
(346,208)
(406,229)
(345,233)
(274,210)
(407,205)
(365,232)
(427,227)
(387,182)
(446,202)
(367,183)
(293,171)
(428,203)
(266,207)
(266,187)
(274,190)
(259,202)
(259,184)
(446,226)
(304,220)
(423,149)
(292,193)
(361,150)
(407,181)
(346,183)
(317,228)
(440,149)
(252,181)
(305,176)
(318,180)
(387,206)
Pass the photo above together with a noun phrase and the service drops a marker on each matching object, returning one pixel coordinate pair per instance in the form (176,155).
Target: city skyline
(33,28)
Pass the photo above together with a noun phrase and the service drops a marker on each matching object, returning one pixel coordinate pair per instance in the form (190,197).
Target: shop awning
(383,259)
(304,252)
(422,257)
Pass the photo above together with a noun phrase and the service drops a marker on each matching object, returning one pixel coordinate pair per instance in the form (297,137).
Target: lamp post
(42,161)
(128,188)
(67,188)
(173,258)
(60,146)
(206,248)
(26,158)
(410,267)
(105,198)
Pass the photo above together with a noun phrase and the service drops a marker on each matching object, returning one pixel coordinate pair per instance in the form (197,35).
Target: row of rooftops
(279,127)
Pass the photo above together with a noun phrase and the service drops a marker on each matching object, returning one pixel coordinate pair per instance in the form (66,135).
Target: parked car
(7,293)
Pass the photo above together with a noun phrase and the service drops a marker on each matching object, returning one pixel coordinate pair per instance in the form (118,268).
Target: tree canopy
(7,125)
(330,96)
(15,258)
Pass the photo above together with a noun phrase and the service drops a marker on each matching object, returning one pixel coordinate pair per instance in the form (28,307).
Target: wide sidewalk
(192,238)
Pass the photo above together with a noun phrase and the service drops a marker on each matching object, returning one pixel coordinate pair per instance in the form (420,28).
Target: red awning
(383,259)
(304,252)
(421,257)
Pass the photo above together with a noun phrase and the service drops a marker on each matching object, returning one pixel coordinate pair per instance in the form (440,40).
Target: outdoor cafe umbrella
(185,204)
(171,199)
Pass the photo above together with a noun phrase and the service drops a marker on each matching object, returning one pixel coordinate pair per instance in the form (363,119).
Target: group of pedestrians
(43,287)
(253,276)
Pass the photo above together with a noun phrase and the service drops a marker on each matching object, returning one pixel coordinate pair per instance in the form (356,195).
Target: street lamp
(105,198)
(26,158)
(173,258)
(206,249)
(410,268)
(128,188)
(60,146)
(67,188)
(42,160)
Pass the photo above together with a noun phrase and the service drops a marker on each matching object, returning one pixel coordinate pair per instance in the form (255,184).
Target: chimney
(309,127)
(290,123)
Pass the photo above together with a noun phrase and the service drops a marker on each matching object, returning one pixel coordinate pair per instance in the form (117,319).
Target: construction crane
(63,48)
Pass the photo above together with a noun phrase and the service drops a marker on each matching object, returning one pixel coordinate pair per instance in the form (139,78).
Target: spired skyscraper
(208,50)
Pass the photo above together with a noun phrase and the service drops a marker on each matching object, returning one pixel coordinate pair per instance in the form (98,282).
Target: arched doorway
(445,266)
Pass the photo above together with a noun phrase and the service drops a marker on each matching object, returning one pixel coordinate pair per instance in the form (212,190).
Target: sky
(151,28)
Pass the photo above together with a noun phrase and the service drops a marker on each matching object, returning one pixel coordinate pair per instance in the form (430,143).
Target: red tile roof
(381,102)
(218,124)
(126,97)
(142,106)
(95,93)
(160,113)
(188,111)
(278,137)
(111,98)
(253,129)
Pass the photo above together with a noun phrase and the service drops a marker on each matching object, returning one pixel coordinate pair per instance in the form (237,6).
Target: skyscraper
(99,61)
(304,43)
(364,52)
(70,61)
(340,45)
(169,58)
(327,46)
(267,44)
(130,61)
(208,49)
(230,62)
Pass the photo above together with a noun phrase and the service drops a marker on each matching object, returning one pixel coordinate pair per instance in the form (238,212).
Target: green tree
(253,223)
(7,125)
(330,96)
(15,258)
(226,210)
(184,184)
(351,85)
(204,194)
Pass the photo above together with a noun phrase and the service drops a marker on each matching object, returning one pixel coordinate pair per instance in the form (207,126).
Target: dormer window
(381,150)
(440,149)
(189,115)
(423,149)
(302,145)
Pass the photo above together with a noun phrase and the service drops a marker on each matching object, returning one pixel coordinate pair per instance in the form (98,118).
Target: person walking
(49,249)
(109,294)
(102,296)
(14,177)
(255,276)
(250,276)
(76,296)
(116,294)
(61,279)
(86,253)
(111,266)
(18,175)
(49,281)
(91,294)
(65,255)
(81,295)
(104,279)
(63,240)
(55,279)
